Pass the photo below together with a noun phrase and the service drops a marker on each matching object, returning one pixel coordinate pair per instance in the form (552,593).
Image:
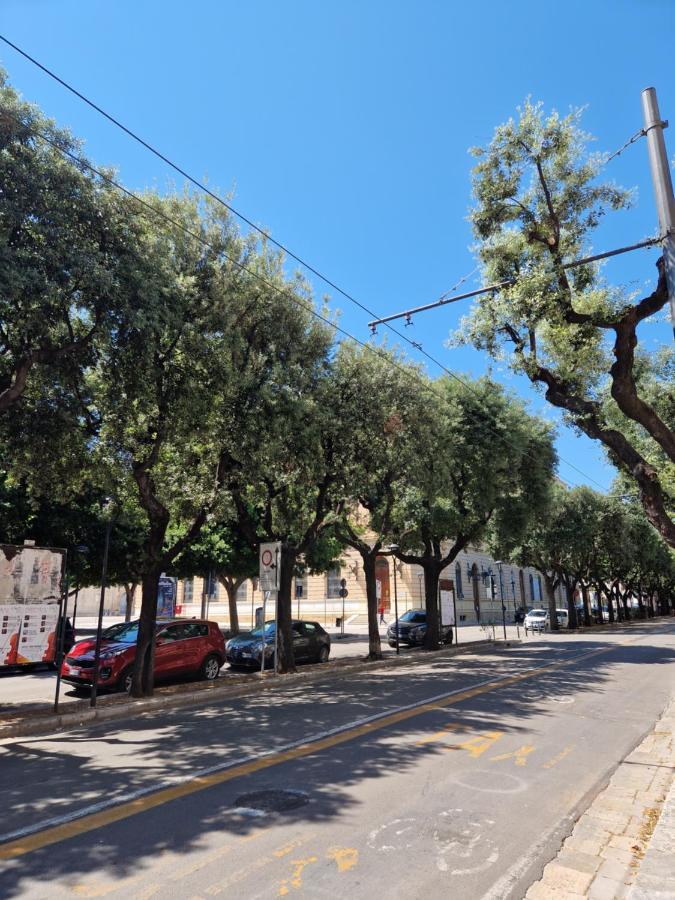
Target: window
(458,581)
(539,590)
(195,629)
(188,590)
(333,583)
(310,627)
(174,632)
(242,592)
(532,597)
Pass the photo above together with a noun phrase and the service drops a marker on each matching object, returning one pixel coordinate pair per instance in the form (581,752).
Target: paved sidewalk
(623,846)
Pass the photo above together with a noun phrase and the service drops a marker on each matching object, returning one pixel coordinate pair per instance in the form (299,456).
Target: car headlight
(228,644)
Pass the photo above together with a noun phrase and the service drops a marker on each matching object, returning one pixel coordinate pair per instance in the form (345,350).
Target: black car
(412,628)
(310,644)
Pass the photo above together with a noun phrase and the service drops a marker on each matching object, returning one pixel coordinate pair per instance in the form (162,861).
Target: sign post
(270,573)
(343,593)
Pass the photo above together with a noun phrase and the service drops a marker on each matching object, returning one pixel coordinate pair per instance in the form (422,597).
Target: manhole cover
(271,801)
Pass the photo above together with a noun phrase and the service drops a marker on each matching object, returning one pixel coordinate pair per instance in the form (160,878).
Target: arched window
(532,597)
(539,589)
(458,582)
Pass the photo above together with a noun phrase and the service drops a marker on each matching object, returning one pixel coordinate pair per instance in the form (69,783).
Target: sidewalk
(623,846)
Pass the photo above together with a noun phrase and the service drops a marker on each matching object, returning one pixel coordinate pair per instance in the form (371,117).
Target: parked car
(183,647)
(539,620)
(310,644)
(412,628)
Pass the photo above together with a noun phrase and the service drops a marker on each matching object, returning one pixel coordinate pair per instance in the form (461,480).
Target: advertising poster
(10,625)
(30,590)
(447,608)
(166,598)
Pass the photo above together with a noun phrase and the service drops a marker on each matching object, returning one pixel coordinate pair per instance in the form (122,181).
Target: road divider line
(86,819)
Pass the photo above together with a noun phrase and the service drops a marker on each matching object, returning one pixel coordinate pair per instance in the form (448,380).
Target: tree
(481,470)
(538,203)
(62,236)
(220,551)
(381,394)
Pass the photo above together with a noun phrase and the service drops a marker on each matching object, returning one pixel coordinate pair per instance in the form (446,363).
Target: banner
(166,597)
(30,596)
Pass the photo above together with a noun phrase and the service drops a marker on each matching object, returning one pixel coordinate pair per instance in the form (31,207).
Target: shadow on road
(41,778)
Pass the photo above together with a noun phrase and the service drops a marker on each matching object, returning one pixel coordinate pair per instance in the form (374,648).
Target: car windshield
(126,634)
(269,630)
(113,631)
(537,613)
(414,615)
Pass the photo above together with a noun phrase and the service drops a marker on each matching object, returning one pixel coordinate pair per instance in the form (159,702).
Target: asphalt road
(22,687)
(448,777)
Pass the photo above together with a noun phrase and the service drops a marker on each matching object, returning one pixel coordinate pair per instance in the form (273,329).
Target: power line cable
(631,140)
(83,163)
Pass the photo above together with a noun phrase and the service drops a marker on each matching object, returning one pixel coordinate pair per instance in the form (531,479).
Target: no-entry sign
(270,566)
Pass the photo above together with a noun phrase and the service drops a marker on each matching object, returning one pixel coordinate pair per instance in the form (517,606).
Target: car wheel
(124,681)
(210,668)
(324,653)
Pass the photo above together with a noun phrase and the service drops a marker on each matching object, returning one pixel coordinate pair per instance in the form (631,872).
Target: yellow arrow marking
(295,880)
(560,756)
(345,857)
(518,756)
(476,746)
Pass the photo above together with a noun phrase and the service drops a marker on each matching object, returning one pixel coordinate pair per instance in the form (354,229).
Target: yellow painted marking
(241,874)
(58,833)
(295,881)
(289,848)
(345,857)
(559,757)
(518,756)
(476,746)
(439,735)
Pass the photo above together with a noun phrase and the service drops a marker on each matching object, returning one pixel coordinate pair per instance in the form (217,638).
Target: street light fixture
(393,549)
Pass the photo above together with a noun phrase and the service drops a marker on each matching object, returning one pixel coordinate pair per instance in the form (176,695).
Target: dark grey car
(310,644)
(412,629)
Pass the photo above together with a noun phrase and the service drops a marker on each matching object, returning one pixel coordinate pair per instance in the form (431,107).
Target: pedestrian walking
(381,611)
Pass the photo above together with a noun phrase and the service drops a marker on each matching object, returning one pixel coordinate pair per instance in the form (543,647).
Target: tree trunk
(432,573)
(286,658)
(374,645)
(571,606)
(231,587)
(144,663)
(549,585)
(129,594)
(610,606)
(588,621)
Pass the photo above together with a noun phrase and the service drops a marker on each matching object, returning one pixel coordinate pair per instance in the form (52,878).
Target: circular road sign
(267,558)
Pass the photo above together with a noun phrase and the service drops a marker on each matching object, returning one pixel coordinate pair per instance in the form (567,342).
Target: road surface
(449,777)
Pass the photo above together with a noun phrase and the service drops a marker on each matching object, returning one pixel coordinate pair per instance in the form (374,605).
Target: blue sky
(344,127)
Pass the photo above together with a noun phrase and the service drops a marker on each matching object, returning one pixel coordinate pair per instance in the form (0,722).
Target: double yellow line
(63,832)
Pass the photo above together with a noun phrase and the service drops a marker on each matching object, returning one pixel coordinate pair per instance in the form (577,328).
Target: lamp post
(498,563)
(513,593)
(392,549)
(104,576)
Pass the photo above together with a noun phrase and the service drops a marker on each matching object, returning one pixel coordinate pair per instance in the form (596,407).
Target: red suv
(184,646)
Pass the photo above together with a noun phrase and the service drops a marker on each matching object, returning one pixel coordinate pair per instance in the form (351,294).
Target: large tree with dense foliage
(539,200)
(63,238)
(480,472)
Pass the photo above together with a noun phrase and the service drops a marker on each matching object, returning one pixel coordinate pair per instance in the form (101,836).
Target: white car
(539,620)
(536,620)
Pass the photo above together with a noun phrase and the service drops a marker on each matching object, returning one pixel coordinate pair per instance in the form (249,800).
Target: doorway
(382,582)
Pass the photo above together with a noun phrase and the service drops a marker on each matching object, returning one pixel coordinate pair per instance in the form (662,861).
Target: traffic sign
(270,566)
(344,592)
(343,582)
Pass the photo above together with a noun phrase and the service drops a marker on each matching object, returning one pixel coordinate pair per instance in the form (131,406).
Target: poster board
(447,607)
(30,599)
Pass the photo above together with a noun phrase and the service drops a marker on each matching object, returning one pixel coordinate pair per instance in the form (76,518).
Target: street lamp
(499,564)
(392,549)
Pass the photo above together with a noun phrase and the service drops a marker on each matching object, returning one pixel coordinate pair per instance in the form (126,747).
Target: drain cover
(271,800)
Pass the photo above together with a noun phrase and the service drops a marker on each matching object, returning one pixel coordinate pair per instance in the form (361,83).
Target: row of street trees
(157,365)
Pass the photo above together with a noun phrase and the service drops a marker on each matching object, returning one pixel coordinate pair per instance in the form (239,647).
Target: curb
(212,692)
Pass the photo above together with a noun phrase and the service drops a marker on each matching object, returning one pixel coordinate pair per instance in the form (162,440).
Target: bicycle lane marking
(58,829)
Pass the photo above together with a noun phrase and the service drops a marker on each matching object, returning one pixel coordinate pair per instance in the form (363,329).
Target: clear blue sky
(343,127)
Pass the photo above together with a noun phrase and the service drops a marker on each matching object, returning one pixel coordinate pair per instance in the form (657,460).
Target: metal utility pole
(101,604)
(663,188)
(392,549)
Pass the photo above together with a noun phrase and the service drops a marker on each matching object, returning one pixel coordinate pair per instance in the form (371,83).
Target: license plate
(73,671)
(247,655)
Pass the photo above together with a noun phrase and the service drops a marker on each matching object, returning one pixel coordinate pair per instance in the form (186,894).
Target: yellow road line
(58,833)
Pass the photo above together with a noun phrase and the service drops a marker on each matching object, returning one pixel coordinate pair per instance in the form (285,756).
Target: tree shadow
(51,776)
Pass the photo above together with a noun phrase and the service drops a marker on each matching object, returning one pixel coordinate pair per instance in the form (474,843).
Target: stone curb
(604,856)
(222,689)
